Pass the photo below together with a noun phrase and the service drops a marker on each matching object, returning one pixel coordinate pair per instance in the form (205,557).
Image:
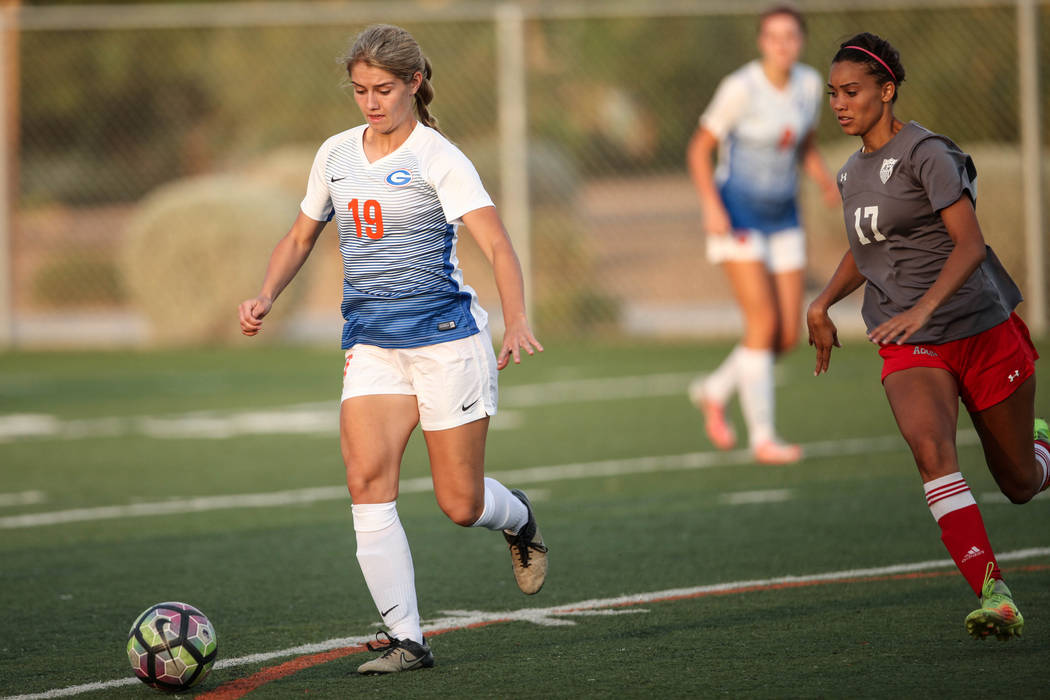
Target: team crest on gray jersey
(887,169)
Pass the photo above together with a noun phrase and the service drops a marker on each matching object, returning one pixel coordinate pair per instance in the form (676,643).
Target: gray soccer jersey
(892,200)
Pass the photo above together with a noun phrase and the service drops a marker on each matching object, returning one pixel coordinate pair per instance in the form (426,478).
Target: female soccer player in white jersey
(761,119)
(417,343)
(940,306)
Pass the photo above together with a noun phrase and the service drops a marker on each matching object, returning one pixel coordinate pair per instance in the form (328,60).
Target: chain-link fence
(160,151)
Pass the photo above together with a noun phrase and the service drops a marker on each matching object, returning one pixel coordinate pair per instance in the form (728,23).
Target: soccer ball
(172,646)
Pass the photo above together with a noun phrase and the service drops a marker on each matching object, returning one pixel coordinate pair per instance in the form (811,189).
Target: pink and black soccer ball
(172,646)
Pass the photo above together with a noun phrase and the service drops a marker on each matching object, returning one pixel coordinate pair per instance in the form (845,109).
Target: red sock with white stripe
(962,528)
(1042,458)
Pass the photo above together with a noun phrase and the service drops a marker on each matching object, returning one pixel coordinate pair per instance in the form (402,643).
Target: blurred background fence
(155,153)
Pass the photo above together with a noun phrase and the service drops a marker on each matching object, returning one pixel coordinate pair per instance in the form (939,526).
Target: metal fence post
(8,153)
(1031,161)
(513,135)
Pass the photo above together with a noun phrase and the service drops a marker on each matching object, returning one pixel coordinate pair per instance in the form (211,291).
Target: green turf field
(176,430)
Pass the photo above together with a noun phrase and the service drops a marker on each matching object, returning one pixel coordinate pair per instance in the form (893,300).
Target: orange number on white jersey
(370,220)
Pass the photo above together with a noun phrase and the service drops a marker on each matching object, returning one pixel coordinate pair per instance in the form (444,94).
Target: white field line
(739,498)
(557,615)
(530,475)
(300,419)
(998,498)
(22,498)
(597,389)
(323,416)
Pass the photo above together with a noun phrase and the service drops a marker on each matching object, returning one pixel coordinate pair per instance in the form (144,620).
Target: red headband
(858,48)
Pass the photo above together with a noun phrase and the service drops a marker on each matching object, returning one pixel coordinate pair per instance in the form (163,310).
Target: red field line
(242,686)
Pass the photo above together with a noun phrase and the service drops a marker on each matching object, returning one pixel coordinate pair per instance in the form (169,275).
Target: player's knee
(366,486)
(463,512)
(934,456)
(1018,498)
(1017,492)
(760,329)
(787,339)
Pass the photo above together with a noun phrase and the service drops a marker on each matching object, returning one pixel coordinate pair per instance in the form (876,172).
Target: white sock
(503,510)
(386,562)
(1042,458)
(720,384)
(755,371)
(947,494)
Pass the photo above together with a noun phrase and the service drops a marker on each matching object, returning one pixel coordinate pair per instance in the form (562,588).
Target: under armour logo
(1014,375)
(842,177)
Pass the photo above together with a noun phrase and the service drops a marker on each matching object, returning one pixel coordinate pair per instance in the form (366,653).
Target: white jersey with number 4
(397,218)
(761,130)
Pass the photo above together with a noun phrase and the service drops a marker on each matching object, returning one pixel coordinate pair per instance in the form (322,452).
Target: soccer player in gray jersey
(940,306)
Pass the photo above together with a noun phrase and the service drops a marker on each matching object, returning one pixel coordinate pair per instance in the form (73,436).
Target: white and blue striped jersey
(397,218)
(760,129)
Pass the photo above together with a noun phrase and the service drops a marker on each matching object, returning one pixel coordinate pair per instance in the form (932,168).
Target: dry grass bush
(197,247)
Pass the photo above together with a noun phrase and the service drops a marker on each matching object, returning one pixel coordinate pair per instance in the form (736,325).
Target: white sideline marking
(531,475)
(301,419)
(553,616)
(22,498)
(597,389)
(323,417)
(997,497)
(738,498)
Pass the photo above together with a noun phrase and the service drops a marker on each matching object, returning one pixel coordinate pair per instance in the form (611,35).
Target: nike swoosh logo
(409,661)
(337,179)
(470,405)
(384,614)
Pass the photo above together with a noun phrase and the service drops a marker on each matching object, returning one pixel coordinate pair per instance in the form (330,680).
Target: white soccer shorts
(454,382)
(781,251)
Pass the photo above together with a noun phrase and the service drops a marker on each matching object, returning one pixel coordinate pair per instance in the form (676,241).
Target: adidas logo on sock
(975,551)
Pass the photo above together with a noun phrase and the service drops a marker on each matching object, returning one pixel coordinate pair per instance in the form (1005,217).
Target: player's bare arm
(701,149)
(967,255)
(814,166)
(287,257)
(492,238)
(823,335)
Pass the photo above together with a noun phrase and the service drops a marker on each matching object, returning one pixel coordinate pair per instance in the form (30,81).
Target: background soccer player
(417,343)
(762,119)
(940,306)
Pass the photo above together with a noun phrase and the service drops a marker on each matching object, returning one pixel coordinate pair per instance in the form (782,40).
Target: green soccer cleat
(997,615)
(1041,431)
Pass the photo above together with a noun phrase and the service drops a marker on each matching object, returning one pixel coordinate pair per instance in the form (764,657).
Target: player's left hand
(823,336)
(899,328)
(516,338)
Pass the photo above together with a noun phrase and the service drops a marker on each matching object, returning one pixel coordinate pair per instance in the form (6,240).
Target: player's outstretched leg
(718,429)
(528,554)
(998,616)
(510,512)
(704,398)
(398,655)
(757,402)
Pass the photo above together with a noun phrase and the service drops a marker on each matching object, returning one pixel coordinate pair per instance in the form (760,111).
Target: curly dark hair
(882,60)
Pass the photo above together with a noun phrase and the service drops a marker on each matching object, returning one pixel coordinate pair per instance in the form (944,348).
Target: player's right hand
(251,312)
(716,220)
(823,335)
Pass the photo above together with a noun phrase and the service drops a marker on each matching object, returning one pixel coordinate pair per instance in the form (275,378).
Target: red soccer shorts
(988,366)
